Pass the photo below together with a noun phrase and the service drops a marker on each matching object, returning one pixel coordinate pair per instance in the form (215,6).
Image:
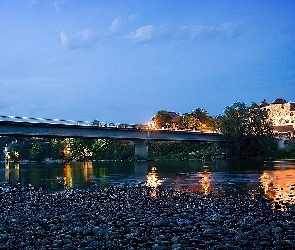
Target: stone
(3,238)
(277,230)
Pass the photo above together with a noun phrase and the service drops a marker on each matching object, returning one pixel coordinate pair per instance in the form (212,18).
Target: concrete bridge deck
(8,128)
(140,137)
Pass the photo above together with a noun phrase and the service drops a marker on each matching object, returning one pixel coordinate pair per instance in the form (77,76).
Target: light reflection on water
(67,178)
(279,185)
(152,178)
(200,182)
(153,181)
(277,179)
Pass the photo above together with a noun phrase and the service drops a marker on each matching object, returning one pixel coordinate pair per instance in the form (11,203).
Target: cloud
(56,6)
(142,34)
(132,17)
(195,32)
(86,39)
(116,24)
(64,38)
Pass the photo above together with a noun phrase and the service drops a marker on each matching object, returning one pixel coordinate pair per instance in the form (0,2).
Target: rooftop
(279,101)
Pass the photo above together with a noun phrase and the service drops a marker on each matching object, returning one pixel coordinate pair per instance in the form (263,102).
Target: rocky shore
(141,218)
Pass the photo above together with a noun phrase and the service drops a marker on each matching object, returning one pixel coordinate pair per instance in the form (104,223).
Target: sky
(122,61)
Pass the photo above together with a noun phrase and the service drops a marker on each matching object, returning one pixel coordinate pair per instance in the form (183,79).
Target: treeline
(66,149)
(198,119)
(246,130)
(82,149)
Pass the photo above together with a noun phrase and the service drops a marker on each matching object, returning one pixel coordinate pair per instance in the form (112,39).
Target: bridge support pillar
(141,150)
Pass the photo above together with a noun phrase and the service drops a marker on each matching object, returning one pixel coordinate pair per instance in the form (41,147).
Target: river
(275,178)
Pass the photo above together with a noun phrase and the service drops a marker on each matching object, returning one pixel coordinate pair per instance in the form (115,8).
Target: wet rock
(292,244)
(281,243)
(177,230)
(175,239)
(58,243)
(3,238)
(176,246)
(159,223)
(277,230)
(138,232)
(129,218)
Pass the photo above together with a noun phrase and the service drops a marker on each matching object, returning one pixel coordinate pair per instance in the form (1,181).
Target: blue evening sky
(122,61)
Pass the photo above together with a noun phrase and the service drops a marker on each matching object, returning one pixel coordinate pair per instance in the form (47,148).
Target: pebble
(130,218)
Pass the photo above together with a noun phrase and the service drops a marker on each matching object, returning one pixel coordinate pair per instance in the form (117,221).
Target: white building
(282,115)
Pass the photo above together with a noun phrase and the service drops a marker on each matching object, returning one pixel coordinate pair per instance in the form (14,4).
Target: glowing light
(7,172)
(279,185)
(152,179)
(87,170)
(205,182)
(265,181)
(151,125)
(68,179)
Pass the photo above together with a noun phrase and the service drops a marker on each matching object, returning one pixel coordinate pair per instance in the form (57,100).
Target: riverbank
(141,218)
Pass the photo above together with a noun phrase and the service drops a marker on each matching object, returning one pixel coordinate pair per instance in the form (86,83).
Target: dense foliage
(247,131)
(162,119)
(198,119)
(78,149)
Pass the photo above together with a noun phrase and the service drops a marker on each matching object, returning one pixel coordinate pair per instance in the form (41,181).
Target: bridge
(140,138)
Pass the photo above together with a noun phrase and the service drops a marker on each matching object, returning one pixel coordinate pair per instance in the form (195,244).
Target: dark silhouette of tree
(200,114)
(247,131)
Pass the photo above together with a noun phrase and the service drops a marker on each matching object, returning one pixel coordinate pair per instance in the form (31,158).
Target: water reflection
(205,182)
(7,171)
(68,179)
(87,170)
(152,178)
(153,181)
(276,178)
(279,185)
(16,172)
(265,181)
(194,182)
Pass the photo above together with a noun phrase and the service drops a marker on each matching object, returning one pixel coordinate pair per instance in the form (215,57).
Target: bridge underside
(140,138)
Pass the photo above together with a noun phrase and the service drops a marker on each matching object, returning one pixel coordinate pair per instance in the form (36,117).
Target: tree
(200,114)
(60,148)
(198,119)
(162,119)
(98,146)
(247,131)
(15,149)
(187,121)
(81,149)
(36,152)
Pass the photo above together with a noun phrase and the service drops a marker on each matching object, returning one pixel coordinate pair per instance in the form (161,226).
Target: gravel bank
(131,218)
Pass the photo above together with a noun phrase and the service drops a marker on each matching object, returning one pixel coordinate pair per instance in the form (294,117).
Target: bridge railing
(101,125)
(44,120)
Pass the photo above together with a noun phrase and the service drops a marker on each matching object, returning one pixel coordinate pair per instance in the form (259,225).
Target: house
(282,115)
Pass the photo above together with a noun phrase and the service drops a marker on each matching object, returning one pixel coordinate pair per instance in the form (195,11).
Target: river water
(276,179)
